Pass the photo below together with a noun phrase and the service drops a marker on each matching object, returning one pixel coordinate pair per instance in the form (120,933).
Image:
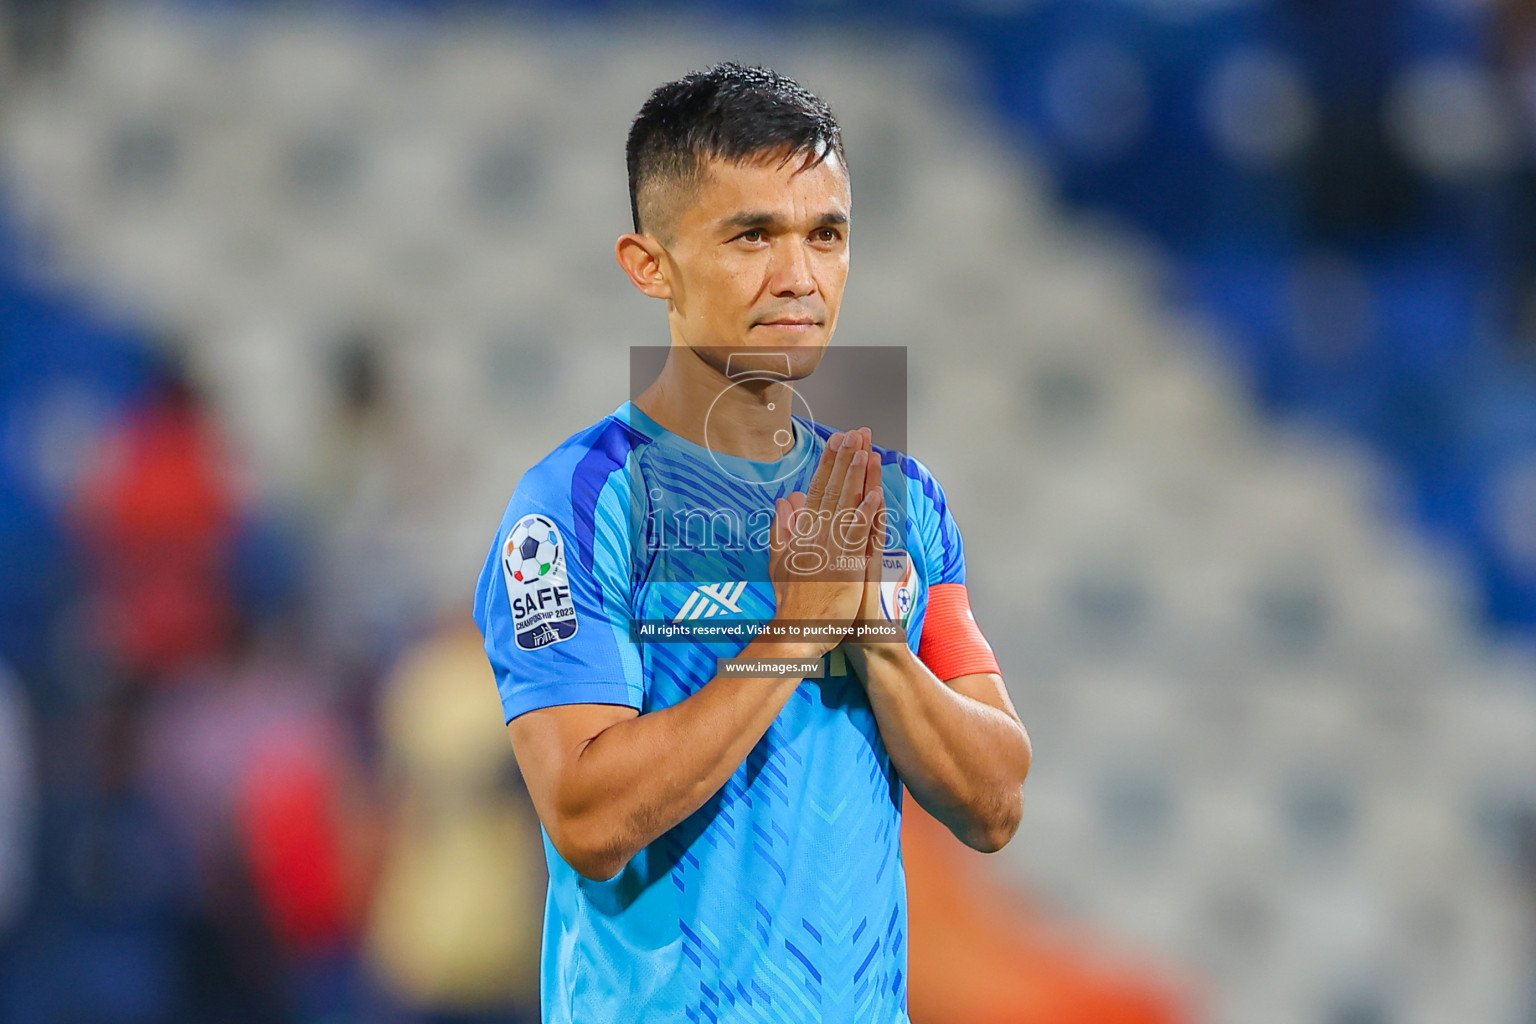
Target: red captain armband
(952,644)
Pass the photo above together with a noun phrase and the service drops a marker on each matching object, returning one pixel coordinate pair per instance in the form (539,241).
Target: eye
(751,235)
(826,235)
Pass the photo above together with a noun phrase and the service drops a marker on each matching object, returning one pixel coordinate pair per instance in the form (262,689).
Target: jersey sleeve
(951,643)
(943,550)
(553,601)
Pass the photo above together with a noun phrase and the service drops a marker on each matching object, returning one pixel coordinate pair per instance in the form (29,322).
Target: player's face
(760,259)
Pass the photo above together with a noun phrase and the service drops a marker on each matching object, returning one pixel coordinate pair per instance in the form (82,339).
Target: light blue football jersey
(784,896)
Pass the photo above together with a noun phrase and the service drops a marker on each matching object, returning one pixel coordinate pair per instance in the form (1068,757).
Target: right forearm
(640,777)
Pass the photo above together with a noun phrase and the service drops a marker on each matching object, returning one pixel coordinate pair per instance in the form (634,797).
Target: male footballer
(724,844)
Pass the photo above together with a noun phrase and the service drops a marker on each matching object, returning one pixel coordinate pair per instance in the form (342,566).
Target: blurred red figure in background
(155,518)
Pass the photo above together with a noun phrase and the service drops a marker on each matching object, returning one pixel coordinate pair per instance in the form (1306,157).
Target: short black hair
(726,112)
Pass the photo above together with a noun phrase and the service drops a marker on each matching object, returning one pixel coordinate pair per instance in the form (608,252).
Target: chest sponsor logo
(712,599)
(533,561)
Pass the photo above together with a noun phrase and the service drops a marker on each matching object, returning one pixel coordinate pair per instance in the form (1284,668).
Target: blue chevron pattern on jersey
(783,897)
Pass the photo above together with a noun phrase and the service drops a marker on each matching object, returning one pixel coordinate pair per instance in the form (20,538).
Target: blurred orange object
(981,955)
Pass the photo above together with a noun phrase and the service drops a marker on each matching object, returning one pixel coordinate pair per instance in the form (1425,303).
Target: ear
(641,257)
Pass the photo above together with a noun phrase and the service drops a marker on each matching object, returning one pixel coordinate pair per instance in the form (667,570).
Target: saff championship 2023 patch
(533,561)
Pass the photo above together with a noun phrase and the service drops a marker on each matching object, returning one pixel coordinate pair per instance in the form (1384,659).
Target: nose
(789,274)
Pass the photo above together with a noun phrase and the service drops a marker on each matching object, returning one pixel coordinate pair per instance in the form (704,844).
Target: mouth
(800,323)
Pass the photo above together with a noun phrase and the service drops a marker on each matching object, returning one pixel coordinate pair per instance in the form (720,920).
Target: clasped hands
(827,545)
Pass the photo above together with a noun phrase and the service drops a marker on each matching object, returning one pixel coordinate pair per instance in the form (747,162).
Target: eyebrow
(762,219)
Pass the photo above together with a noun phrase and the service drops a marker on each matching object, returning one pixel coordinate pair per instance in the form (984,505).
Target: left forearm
(963,759)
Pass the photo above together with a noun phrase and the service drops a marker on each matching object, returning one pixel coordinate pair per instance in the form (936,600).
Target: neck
(693,400)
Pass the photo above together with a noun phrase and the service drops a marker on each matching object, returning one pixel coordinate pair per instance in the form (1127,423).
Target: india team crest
(533,561)
(898,586)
